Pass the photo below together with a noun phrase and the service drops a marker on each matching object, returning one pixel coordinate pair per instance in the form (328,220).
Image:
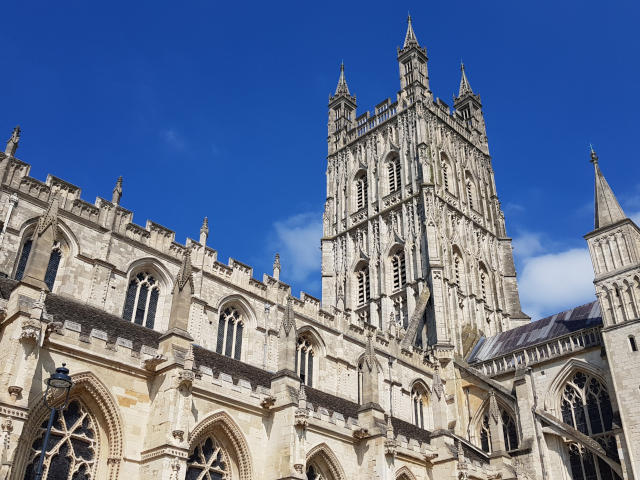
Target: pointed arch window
(484,283)
(393,172)
(305,359)
(72,451)
(586,406)
(399,270)
(362,192)
(230,328)
(142,298)
(52,266)
(364,291)
(419,401)
(208,461)
(457,267)
(509,431)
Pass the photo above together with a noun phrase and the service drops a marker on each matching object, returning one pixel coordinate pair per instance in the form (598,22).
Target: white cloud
(553,282)
(527,244)
(298,242)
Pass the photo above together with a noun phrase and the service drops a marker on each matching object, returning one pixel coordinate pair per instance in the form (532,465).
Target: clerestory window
(230,327)
(305,358)
(141,302)
(52,266)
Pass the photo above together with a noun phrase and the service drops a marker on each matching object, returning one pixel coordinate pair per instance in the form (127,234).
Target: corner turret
(412,62)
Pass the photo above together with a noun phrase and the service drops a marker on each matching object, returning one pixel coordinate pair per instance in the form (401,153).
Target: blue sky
(219,109)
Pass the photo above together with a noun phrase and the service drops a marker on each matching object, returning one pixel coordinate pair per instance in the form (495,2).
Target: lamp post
(57,382)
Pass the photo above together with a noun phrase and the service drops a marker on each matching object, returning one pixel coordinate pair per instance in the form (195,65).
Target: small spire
(342,88)
(607,209)
(117,192)
(205,226)
(465,86)
(12,143)
(289,319)
(410,38)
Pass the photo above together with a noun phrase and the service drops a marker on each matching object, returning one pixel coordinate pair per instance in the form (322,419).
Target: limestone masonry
(416,364)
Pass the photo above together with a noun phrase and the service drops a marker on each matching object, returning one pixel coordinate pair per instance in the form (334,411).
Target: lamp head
(61,379)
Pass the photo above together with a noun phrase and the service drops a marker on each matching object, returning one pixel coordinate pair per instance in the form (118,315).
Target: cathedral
(416,364)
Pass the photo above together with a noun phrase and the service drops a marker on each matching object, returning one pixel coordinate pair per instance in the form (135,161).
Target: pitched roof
(578,318)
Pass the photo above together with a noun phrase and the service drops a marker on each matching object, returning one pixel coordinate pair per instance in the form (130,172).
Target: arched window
(458,267)
(305,358)
(230,327)
(586,406)
(362,192)
(52,266)
(399,270)
(393,171)
(141,302)
(419,401)
(208,461)
(632,343)
(509,431)
(72,451)
(360,373)
(470,194)
(445,176)
(362,276)
(485,434)
(484,283)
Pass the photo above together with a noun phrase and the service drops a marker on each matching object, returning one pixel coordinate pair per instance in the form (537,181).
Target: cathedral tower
(614,246)
(413,229)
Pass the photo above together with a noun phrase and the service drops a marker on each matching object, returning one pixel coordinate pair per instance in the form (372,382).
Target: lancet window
(362,192)
(72,451)
(393,171)
(142,299)
(458,267)
(419,401)
(586,406)
(305,358)
(470,194)
(209,461)
(509,431)
(399,270)
(484,281)
(364,291)
(230,327)
(52,266)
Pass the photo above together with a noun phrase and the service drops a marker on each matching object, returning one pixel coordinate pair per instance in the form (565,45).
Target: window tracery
(208,461)
(419,402)
(586,406)
(509,431)
(142,299)
(230,328)
(305,357)
(72,451)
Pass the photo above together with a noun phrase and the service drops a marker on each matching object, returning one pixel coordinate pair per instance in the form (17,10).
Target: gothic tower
(614,246)
(413,230)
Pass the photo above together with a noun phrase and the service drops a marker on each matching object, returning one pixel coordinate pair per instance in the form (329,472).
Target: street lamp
(59,383)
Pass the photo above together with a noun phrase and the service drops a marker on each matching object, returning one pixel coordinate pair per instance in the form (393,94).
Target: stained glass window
(72,450)
(208,461)
(141,301)
(24,256)
(52,266)
(586,406)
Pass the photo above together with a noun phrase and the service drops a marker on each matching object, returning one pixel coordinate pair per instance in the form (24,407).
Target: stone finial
(494,411)
(117,192)
(181,299)
(389,432)
(49,219)
(289,320)
(189,359)
(204,231)
(370,353)
(276,267)
(287,340)
(12,143)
